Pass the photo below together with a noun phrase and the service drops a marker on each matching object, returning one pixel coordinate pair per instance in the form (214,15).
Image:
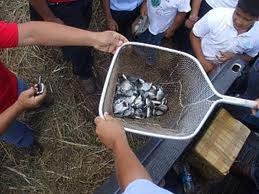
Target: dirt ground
(73,161)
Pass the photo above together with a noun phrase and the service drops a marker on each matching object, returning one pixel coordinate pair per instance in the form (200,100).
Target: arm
(111,23)
(196,46)
(128,167)
(194,14)
(226,56)
(179,19)
(25,101)
(9,115)
(46,33)
(41,6)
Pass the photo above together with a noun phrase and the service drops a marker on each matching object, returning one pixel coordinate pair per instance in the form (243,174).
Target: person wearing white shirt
(120,14)
(131,174)
(201,7)
(165,17)
(224,33)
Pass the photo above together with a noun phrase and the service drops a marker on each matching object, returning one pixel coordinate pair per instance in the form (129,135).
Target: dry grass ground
(73,161)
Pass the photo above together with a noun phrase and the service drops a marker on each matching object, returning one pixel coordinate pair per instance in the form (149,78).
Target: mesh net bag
(188,94)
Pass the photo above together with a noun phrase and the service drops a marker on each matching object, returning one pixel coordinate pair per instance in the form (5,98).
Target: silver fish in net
(138,99)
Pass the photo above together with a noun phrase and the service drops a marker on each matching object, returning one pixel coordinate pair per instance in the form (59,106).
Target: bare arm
(246,57)
(9,115)
(128,167)
(179,19)
(42,8)
(196,4)
(26,100)
(106,9)
(111,23)
(196,46)
(52,34)
(194,14)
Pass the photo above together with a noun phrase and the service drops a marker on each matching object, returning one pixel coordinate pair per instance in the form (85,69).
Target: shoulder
(219,16)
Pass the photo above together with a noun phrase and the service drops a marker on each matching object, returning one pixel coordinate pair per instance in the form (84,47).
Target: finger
(116,27)
(97,120)
(31,91)
(107,116)
(120,37)
(254,112)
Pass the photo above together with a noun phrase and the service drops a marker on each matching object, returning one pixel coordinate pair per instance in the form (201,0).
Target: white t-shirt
(142,186)
(124,5)
(161,13)
(222,3)
(217,34)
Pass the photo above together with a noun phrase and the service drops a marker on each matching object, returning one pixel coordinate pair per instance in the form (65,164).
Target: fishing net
(186,89)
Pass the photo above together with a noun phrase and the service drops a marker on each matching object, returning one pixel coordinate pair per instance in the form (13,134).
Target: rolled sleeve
(142,186)
(8,35)
(202,27)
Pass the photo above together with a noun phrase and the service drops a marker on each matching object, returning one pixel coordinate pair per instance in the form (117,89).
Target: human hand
(189,23)
(225,56)
(143,9)
(208,67)
(112,25)
(256,109)
(28,100)
(109,41)
(110,131)
(169,33)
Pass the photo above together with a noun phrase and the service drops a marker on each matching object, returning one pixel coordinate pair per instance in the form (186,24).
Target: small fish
(162,107)
(160,94)
(120,106)
(146,86)
(125,86)
(138,103)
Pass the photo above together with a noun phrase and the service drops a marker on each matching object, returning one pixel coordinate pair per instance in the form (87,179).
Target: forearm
(196,4)
(42,8)
(128,167)
(106,9)
(246,57)
(52,34)
(196,47)
(9,115)
(179,19)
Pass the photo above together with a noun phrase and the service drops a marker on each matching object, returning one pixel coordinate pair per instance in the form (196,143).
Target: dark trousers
(124,20)
(183,34)
(76,14)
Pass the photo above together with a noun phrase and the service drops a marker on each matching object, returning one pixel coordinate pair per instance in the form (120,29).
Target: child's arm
(196,46)
(226,56)
(143,10)
(111,23)
(196,4)
(42,8)
(179,19)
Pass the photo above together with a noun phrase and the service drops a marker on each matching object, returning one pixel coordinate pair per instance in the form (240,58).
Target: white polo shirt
(124,5)
(217,34)
(161,13)
(142,186)
(222,3)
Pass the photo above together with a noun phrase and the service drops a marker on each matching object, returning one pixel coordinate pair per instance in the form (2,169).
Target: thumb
(30,92)
(97,120)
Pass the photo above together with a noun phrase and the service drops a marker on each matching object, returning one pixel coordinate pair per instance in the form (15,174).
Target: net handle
(238,101)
